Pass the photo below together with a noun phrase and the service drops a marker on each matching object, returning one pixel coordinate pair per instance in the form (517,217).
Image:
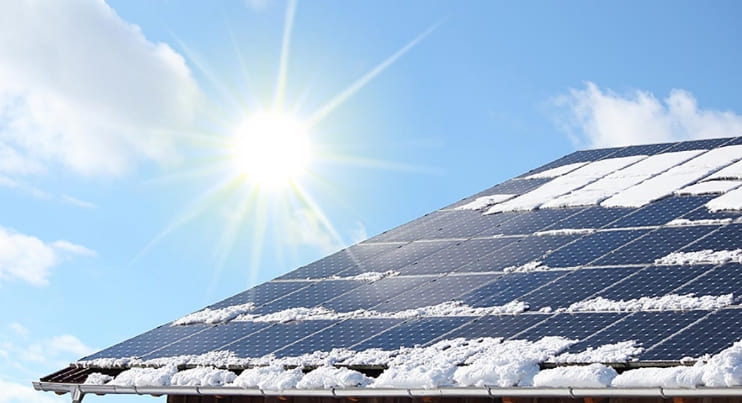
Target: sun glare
(271,149)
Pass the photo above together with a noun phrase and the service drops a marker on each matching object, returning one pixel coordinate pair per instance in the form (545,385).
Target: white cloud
(85,90)
(27,258)
(18,328)
(359,233)
(598,118)
(17,393)
(59,346)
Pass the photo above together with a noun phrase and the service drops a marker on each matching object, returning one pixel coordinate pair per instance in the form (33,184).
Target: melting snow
(327,377)
(370,276)
(211,316)
(96,378)
(485,201)
(566,231)
(683,222)
(527,268)
(558,171)
(706,256)
(617,352)
(730,201)
(273,377)
(203,376)
(733,171)
(711,187)
(146,376)
(671,302)
(672,377)
(580,376)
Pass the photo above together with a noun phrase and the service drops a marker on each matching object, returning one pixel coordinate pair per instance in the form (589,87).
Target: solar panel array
(462,255)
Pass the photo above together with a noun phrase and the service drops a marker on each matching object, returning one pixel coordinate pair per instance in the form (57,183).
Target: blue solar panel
(645,328)
(698,145)
(593,217)
(343,334)
(724,238)
(263,293)
(418,226)
(440,290)
(337,262)
(519,252)
(375,293)
(411,333)
(575,326)
(653,281)
(648,149)
(211,339)
(530,222)
(715,332)
(503,326)
(654,245)
(575,157)
(511,187)
(703,213)
(591,247)
(314,295)
(509,287)
(468,223)
(661,212)
(398,258)
(722,280)
(575,287)
(276,336)
(146,342)
(453,257)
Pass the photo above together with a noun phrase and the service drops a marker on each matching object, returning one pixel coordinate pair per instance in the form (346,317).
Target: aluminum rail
(79,390)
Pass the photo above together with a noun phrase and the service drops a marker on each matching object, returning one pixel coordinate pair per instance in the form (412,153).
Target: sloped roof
(628,257)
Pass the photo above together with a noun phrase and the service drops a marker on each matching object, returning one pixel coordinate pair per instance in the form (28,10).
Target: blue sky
(116,120)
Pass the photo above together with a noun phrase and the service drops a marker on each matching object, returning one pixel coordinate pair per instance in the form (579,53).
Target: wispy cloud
(306,228)
(593,117)
(16,392)
(29,259)
(86,91)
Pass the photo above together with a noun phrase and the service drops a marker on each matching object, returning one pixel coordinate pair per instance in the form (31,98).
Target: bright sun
(271,149)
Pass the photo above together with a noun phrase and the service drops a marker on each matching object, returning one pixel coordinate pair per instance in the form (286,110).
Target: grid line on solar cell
(451,258)
(375,293)
(210,339)
(693,341)
(149,341)
(441,289)
(653,245)
(720,280)
(661,212)
(508,287)
(591,247)
(653,281)
(703,213)
(263,293)
(575,326)
(646,328)
(411,333)
(336,263)
(340,335)
(532,221)
(574,287)
(504,326)
(592,217)
(275,337)
(398,258)
(519,252)
(723,238)
(312,296)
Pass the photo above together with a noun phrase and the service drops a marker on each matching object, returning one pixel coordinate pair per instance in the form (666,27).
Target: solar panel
(144,343)
(420,225)
(313,295)
(724,238)
(530,222)
(398,258)
(591,247)
(648,149)
(263,293)
(654,245)
(437,291)
(412,333)
(451,258)
(496,326)
(715,332)
(698,144)
(343,334)
(653,281)
(518,252)
(211,339)
(722,280)
(661,212)
(577,156)
(375,293)
(468,223)
(337,262)
(276,336)
(513,186)
(509,287)
(593,217)
(575,326)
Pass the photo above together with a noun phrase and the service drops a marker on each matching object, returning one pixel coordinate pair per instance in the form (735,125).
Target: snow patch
(725,368)
(730,201)
(558,171)
(706,256)
(710,187)
(96,378)
(671,377)
(527,268)
(273,377)
(146,376)
(579,376)
(327,377)
(566,231)
(212,316)
(732,172)
(684,222)
(617,352)
(670,302)
(483,202)
(203,376)
(370,276)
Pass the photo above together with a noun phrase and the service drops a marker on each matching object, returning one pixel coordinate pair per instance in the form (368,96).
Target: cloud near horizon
(603,118)
(86,91)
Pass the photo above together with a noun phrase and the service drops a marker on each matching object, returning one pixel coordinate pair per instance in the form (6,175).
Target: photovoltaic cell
(343,334)
(420,225)
(413,332)
(722,280)
(703,213)
(513,187)
(724,238)
(275,337)
(593,217)
(654,245)
(661,212)
(211,339)
(373,294)
(314,295)
(337,262)
(144,343)
(575,287)
(509,287)
(503,326)
(654,281)
(575,326)
(466,224)
(697,145)
(519,252)
(734,142)
(263,293)
(710,335)
(648,150)
(440,290)
(530,222)
(646,328)
(451,258)
(591,247)
(575,157)
(398,258)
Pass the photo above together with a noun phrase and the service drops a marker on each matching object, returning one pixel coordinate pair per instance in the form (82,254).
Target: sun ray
(252,101)
(340,98)
(387,165)
(284,62)
(307,198)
